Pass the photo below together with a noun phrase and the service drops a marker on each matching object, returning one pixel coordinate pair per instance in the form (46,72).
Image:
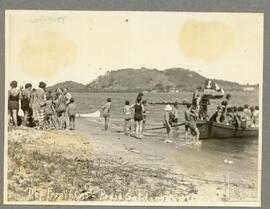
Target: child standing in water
(127,118)
(106,112)
(71,112)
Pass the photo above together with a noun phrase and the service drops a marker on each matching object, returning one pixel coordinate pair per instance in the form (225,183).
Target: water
(90,102)
(212,152)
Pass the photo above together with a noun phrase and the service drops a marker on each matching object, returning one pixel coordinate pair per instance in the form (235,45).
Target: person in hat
(13,102)
(168,122)
(190,124)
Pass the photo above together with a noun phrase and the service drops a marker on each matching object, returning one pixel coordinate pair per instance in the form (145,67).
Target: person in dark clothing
(13,102)
(25,103)
(138,116)
(203,107)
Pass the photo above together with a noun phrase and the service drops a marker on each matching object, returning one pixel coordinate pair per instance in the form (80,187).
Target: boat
(222,131)
(89,115)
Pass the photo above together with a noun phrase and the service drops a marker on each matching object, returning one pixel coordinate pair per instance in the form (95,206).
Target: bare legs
(72,123)
(127,125)
(25,118)
(107,119)
(168,131)
(139,127)
(13,116)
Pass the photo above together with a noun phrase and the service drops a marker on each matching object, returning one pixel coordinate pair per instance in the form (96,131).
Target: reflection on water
(248,146)
(215,158)
(207,160)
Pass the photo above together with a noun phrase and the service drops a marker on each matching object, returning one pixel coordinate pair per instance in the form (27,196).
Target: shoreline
(158,167)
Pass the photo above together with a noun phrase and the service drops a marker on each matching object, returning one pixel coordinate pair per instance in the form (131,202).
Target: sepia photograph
(133,108)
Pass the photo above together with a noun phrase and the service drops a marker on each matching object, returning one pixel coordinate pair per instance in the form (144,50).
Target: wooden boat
(222,131)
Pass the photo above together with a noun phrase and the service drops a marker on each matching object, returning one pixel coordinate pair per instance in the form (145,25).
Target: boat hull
(221,131)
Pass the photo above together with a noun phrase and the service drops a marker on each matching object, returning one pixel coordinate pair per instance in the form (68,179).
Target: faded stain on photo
(133,108)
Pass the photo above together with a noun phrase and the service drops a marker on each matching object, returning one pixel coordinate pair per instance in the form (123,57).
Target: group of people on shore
(40,107)
(239,117)
(45,109)
(137,110)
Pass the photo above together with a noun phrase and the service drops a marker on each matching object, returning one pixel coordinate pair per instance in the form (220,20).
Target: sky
(56,46)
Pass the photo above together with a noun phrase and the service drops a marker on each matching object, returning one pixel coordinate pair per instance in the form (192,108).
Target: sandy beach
(89,164)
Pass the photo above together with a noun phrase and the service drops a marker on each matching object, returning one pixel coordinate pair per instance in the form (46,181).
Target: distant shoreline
(153,92)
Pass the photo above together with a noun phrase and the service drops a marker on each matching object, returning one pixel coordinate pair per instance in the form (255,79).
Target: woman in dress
(13,102)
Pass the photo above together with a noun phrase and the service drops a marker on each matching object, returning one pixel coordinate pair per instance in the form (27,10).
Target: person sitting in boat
(216,116)
(235,122)
(256,117)
(248,114)
(224,105)
(247,111)
(242,117)
(190,123)
(229,117)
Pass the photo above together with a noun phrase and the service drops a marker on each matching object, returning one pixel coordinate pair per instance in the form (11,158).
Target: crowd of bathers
(40,107)
(137,110)
(237,116)
(45,109)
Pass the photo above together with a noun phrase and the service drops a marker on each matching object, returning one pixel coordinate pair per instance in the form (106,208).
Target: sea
(240,156)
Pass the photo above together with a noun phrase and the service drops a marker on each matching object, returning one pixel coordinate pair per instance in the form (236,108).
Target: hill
(71,85)
(153,80)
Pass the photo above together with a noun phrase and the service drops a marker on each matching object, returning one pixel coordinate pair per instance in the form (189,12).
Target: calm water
(213,152)
(90,102)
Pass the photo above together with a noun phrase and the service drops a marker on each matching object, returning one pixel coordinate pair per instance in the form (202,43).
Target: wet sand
(178,172)
(223,162)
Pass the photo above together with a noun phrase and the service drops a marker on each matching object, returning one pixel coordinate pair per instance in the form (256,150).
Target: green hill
(71,85)
(153,80)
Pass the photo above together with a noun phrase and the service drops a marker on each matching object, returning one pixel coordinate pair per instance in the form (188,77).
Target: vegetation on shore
(57,166)
(144,79)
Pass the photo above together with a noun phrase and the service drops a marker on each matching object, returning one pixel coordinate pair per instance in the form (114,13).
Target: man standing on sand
(190,123)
